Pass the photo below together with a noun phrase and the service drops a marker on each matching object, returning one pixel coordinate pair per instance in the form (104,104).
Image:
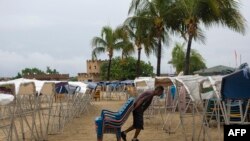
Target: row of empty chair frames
(201,102)
(33,115)
(111,91)
(187,98)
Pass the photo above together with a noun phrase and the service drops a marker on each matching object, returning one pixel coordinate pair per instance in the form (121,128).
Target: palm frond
(137,4)
(107,35)
(128,49)
(97,51)
(199,36)
(97,41)
(233,20)
(93,55)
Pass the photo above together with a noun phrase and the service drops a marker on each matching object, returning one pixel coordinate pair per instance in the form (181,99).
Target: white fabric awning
(6,99)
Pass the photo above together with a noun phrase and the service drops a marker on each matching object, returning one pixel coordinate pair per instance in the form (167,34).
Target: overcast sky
(57,33)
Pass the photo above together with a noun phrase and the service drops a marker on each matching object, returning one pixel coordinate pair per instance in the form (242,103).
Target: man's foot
(123,135)
(134,139)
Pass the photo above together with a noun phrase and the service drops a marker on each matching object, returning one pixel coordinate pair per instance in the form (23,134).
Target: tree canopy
(35,71)
(197,62)
(110,41)
(152,21)
(122,69)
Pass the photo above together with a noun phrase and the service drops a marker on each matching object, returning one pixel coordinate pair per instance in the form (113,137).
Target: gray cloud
(15,60)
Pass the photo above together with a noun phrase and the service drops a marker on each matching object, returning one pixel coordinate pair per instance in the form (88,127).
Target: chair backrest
(127,111)
(48,88)
(236,86)
(123,116)
(27,88)
(122,111)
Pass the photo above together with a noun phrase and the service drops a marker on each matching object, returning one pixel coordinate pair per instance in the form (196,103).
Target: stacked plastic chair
(111,122)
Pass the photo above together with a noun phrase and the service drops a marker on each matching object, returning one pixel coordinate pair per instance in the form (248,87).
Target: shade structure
(236,85)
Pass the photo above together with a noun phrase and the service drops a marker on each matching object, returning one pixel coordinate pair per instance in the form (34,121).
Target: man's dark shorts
(138,119)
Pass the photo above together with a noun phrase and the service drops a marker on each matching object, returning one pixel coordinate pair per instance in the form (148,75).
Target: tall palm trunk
(158,71)
(109,66)
(123,55)
(187,59)
(138,64)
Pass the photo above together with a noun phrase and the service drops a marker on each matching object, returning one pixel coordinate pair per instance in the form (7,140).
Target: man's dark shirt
(147,101)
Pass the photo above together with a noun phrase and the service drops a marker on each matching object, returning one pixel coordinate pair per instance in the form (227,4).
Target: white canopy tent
(39,84)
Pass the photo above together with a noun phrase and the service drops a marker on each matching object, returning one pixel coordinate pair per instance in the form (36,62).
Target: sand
(83,128)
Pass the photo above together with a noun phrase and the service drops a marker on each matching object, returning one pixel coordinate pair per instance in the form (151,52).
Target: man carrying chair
(140,106)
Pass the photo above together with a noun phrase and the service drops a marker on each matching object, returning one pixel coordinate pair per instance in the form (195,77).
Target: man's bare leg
(129,129)
(123,134)
(137,132)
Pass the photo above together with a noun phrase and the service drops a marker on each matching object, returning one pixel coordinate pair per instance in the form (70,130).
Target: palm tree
(107,43)
(178,59)
(197,62)
(138,28)
(126,45)
(191,14)
(156,11)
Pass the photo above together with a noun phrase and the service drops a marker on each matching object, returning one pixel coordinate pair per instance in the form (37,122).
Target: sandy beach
(83,128)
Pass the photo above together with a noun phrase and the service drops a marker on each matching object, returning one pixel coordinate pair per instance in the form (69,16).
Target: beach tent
(34,100)
(6,99)
(91,85)
(230,104)
(82,87)
(18,82)
(127,82)
(144,83)
(236,85)
(217,70)
(39,84)
(166,102)
(189,100)
(61,87)
(235,94)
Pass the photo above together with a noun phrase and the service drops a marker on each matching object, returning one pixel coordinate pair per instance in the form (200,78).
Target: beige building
(93,71)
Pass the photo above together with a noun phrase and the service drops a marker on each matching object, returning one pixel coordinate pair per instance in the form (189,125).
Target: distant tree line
(34,71)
